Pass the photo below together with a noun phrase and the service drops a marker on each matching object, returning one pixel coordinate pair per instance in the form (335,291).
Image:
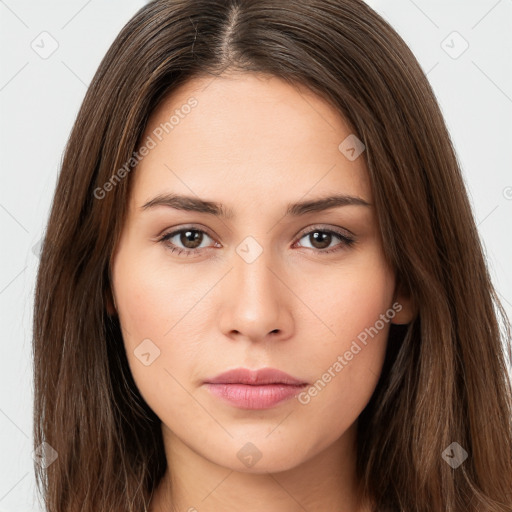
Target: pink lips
(254,389)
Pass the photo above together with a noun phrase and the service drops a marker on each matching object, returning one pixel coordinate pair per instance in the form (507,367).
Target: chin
(259,457)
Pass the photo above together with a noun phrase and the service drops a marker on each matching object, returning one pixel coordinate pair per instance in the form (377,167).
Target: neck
(192,483)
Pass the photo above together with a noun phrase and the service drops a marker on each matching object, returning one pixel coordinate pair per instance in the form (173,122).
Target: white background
(39,99)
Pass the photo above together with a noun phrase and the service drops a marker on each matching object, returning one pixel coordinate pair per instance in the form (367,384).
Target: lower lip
(248,396)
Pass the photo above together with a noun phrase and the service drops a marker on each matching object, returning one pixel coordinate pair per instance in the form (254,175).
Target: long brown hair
(445,377)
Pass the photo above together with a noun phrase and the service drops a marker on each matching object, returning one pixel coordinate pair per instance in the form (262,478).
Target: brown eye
(186,240)
(191,239)
(321,240)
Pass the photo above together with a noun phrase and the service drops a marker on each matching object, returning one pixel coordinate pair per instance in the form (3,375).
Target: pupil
(323,239)
(191,237)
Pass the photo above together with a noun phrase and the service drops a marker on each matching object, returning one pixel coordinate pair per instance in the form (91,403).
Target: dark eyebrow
(324,203)
(195,204)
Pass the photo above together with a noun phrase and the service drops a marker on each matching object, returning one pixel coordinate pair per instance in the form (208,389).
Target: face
(247,280)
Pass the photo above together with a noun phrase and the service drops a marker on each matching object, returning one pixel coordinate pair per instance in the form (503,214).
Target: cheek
(151,296)
(152,305)
(349,302)
(346,361)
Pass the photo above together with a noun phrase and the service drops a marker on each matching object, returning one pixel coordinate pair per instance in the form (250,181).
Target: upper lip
(255,377)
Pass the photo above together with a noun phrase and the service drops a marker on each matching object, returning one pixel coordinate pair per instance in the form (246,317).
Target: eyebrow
(189,203)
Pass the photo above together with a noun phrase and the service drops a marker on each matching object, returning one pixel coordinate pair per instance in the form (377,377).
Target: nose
(256,301)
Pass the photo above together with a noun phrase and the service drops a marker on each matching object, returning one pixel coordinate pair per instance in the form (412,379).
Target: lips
(254,389)
(255,377)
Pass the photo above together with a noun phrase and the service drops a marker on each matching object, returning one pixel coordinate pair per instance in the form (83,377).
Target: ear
(110,302)
(403,305)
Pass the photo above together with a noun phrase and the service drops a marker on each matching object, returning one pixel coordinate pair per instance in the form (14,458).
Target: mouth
(254,389)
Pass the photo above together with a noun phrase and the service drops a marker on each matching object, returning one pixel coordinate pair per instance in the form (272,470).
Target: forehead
(248,137)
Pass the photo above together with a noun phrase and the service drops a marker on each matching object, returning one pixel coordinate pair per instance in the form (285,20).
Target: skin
(255,144)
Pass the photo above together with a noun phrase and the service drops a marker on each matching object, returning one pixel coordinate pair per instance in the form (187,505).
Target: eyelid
(347,237)
(323,227)
(179,229)
(167,235)
(300,234)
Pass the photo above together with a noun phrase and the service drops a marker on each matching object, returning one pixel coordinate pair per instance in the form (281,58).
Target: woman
(262,286)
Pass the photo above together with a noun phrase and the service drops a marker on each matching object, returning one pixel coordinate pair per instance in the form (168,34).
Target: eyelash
(345,240)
